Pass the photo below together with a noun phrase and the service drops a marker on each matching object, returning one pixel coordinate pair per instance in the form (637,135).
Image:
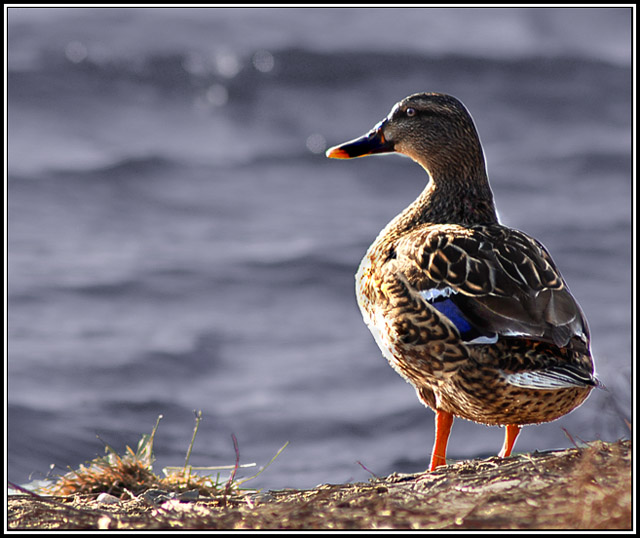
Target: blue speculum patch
(469,334)
(449,309)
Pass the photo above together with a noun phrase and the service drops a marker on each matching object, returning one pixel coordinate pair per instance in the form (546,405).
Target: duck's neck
(451,199)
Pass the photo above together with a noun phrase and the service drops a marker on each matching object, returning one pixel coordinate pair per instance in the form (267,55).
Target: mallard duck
(473,314)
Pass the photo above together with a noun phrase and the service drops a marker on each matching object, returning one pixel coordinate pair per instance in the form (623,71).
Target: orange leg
(512,431)
(444,421)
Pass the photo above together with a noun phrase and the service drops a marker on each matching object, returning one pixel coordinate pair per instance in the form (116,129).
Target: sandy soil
(581,488)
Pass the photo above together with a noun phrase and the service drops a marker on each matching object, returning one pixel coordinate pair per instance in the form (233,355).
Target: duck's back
(504,281)
(481,301)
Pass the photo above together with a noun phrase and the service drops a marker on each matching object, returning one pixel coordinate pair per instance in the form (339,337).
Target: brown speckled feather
(505,281)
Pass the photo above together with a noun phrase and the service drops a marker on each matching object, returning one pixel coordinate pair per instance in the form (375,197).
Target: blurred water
(177,239)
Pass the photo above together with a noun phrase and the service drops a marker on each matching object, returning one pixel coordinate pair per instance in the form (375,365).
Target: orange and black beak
(369,144)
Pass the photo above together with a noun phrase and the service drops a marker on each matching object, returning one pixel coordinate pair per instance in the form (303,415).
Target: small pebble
(157,496)
(261,498)
(106,498)
(191,495)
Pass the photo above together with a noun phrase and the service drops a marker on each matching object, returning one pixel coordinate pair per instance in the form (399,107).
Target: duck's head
(434,129)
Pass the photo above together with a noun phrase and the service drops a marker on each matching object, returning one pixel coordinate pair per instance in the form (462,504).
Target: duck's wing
(492,281)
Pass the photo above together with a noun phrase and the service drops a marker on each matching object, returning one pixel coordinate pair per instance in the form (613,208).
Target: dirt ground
(581,488)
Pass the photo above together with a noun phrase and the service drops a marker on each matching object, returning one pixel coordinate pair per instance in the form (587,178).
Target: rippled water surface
(177,239)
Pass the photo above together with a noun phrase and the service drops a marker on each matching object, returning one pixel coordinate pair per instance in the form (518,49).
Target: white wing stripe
(543,379)
(433,293)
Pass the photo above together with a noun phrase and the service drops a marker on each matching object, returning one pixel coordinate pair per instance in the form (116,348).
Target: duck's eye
(411,112)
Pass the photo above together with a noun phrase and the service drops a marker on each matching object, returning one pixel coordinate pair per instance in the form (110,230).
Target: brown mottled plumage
(473,314)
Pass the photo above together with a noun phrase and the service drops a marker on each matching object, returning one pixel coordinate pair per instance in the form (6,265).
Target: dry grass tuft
(132,474)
